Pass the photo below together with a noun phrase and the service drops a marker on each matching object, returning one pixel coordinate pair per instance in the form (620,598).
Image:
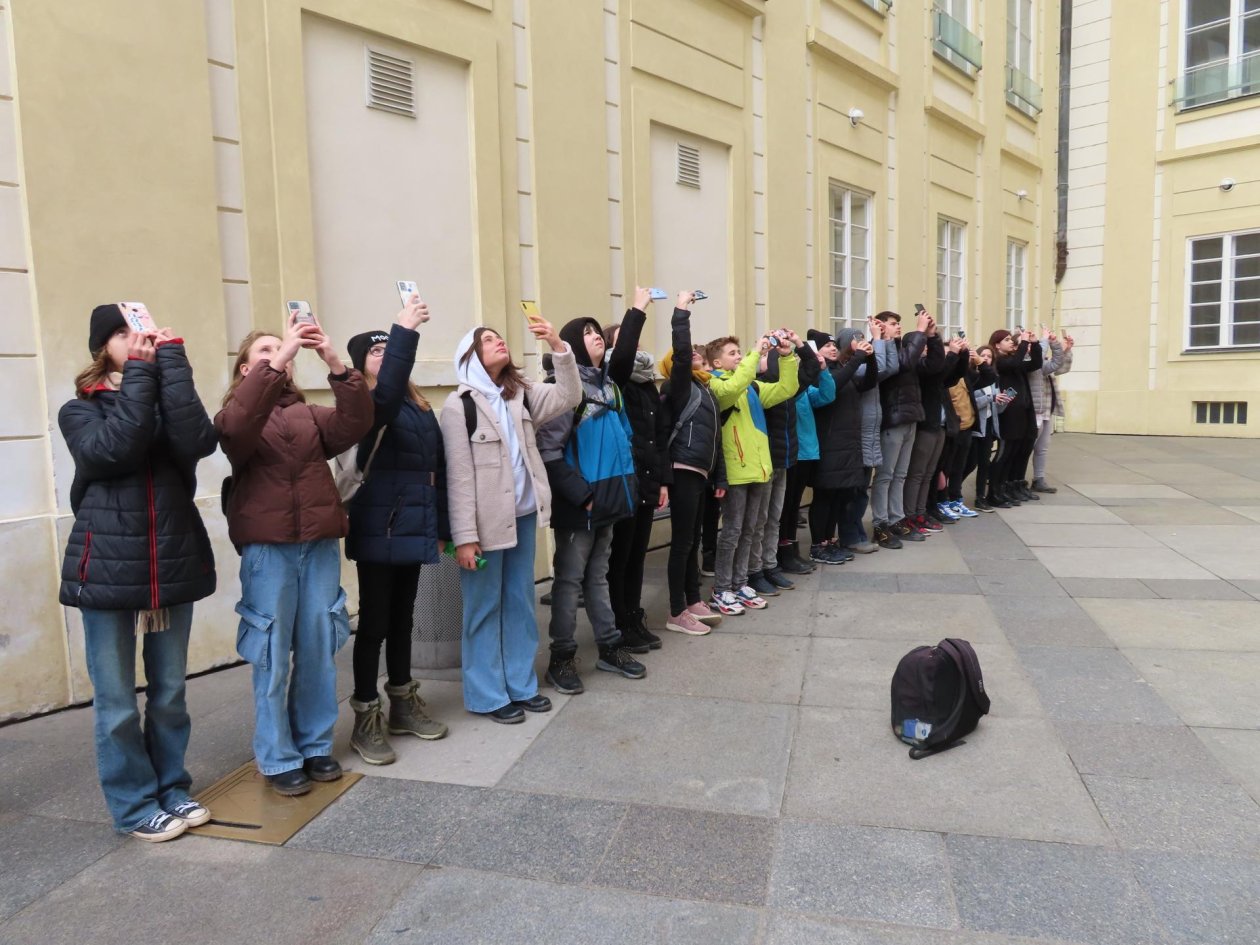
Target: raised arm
(787,384)
(344,425)
(680,370)
(240,423)
(391,383)
(728,387)
(187,427)
(118,444)
(621,362)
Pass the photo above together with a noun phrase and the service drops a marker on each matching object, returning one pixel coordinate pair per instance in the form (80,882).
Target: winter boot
(368,737)
(406,713)
(1040,485)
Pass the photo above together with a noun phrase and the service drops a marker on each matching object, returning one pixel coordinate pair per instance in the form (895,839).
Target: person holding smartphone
(990,402)
(397,518)
(286,519)
(137,559)
(498,497)
(1015,359)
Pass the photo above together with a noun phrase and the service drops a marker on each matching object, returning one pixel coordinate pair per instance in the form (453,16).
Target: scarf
(667,364)
(472,374)
(644,371)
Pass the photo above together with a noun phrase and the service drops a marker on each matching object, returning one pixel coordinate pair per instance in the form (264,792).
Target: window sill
(1232,349)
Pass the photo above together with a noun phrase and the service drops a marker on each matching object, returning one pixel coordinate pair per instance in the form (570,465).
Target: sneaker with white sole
(687,623)
(748,597)
(727,603)
(704,613)
(191,813)
(960,508)
(946,513)
(160,826)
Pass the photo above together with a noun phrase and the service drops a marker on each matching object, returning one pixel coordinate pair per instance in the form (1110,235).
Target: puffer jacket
(279,446)
(807,402)
(587,450)
(899,394)
(745,444)
(398,516)
(1045,393)
(938,409)
(643,409)
(1018,419)
(781,418)
(693,436)
(840,459)
(887,364)
(138,542)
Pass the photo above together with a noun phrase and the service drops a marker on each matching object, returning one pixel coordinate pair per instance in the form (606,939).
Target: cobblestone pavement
(749,789)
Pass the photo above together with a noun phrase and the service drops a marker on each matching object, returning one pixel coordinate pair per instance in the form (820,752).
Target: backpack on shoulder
(938,697)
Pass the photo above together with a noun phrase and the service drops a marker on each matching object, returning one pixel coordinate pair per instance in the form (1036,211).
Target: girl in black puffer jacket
(397,519)
(137,559)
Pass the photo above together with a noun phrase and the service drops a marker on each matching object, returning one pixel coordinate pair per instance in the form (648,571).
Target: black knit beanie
(361,344)
(106,319)
(820,338)
(573,332)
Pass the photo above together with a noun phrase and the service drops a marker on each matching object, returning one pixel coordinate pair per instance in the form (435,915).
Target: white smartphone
(301,312)
(698,296)
(657,295)
(406,290)
(137,316)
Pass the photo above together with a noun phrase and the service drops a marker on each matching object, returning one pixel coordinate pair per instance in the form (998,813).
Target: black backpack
(937,697)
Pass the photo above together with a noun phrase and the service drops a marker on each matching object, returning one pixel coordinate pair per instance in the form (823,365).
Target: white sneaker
(686,623)
(191,813)
(727,603)
(161,826)
(748,597)
(960,508)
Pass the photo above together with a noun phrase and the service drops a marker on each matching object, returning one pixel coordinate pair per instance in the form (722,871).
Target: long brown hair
(412,391)
(510,379)
(242,355)
(91,377)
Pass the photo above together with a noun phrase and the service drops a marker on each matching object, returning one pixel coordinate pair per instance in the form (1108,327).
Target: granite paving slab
(1179,816)
(1238,750)
(1179,624)
(1138,563)
(786,928)
(1048,620)
(925,618)
(1206,688)
(1083,536)
(1204,900)
(1117,588)
(40,854)
(1155,752)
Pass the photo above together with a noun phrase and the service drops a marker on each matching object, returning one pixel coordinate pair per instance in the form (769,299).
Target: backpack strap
(689,411)
(470,412)
(968,664)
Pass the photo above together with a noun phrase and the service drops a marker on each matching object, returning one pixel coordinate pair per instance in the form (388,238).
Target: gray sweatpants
(735,540)
(581,564)
(765,555)
(887,494)
(1042,448)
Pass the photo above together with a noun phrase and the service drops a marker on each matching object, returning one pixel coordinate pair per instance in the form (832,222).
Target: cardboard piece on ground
(243,807)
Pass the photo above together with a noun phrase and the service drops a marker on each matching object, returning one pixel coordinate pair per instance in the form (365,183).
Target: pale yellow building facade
(1162,290)
(806,163)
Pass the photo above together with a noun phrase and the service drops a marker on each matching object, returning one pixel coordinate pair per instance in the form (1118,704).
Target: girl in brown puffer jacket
(285,516)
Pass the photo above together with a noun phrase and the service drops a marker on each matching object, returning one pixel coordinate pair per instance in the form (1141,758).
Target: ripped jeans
(293,622)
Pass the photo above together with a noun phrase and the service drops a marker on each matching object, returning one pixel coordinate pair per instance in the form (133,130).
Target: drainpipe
(1065,103)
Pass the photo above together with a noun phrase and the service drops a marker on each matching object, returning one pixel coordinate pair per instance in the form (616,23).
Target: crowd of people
(869,419)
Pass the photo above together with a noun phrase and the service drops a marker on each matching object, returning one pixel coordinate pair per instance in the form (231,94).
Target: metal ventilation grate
(1220,411)
(687,169)
(390,83)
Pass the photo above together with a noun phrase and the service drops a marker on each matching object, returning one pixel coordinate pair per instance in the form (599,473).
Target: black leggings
(711,516)
(798,477)
(1003,461)
(978,459)
(954,465)
(687,512)
(387,603)
(824,513)
(630,540)
(1018,471)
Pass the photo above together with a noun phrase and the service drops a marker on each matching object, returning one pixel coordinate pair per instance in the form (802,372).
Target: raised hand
(642,298)
(140,346)
(923,322)
(414,314)
(685,299)
(542,330)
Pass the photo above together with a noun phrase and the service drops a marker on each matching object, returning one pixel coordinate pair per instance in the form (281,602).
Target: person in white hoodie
(498,497)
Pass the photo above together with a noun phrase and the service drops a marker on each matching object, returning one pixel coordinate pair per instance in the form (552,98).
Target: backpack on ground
(937,697)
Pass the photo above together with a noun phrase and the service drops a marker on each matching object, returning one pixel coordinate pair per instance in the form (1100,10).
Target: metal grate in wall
(1220,411)
(390,83)
(687,167)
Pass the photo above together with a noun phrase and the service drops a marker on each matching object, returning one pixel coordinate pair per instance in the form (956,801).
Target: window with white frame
(1016,284)
(950,254)
(850,216)
(1221,51)
(1224,291)
(1019,34)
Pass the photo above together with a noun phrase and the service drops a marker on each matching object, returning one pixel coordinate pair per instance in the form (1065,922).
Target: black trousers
(978,459)
(625,564)
(712,515)
(798,477)
(954,465)
(387,603)
(1018,471)
(687,509)
(1003,462)
(825,511)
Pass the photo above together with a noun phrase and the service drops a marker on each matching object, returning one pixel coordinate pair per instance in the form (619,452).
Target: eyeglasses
(376,351)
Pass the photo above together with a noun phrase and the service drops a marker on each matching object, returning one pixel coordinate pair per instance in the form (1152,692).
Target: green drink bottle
(449,549)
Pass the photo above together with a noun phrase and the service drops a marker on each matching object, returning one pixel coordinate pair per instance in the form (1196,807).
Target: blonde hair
(87,380)
(242,355)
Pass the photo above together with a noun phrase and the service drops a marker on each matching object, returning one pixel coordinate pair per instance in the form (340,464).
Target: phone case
(302,311)
(530,308)
(698,296)
(406,290)
(137,317)
(656,295)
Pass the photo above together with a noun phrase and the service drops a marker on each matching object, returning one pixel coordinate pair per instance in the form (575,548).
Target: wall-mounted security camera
(855,116)
(1227,184)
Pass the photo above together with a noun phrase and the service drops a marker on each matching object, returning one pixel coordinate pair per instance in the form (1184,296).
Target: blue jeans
(141,771)
(293,613)
(500,633)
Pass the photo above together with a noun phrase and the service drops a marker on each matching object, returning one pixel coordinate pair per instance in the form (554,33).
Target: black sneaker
(539,703)
(630,640)
(838,554)
(982,505)
(886,539)
(776,577)
(912,532)
(289,783)
(707,563)
(322,768)
(643,633)
(899,528)
(563,675)
(613,658)
(819,553)
(510,714)
(1027,493)
(763,585)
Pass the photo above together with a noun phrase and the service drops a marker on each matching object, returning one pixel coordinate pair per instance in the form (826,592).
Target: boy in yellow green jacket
(746,449)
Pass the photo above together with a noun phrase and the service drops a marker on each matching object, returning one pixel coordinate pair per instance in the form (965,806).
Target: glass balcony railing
(879,6)
(954,43)
(1023,92)
(1218,82)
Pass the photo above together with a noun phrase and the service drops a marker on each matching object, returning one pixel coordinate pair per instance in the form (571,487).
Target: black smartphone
(918,307)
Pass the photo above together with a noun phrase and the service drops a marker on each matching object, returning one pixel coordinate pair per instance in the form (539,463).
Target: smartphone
(962,334)
(406,290)
(918,307)
(137,316)
(530,308)
(657,295)
(301,312)
(698,296)
(1011,392)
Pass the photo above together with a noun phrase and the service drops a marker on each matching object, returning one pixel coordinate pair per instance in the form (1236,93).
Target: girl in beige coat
(498,498)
